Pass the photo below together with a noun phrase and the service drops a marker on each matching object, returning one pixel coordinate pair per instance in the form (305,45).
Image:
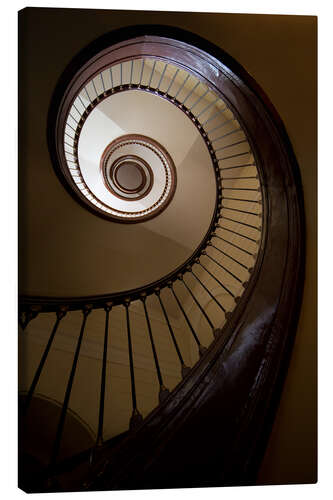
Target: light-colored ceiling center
(129,176)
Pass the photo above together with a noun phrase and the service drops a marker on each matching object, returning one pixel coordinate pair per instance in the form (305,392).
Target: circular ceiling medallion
(136,179)
(139,171)
(131,176)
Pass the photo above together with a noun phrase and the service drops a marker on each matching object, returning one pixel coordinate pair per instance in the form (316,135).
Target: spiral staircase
(159,364)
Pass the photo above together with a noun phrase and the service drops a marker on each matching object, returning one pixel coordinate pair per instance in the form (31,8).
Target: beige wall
(280,52)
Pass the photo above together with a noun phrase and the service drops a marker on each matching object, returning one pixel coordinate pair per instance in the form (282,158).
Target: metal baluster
(214,116)
(94,88)
(233,144)
(69,153)
(201,348)
(198,100)
(152,72)
(226,135)
(222,267)
(238,234)
(191,92)
(236,166)
(87,94)
(258,214)
(71,161)
(184,369)
(143,63)
(181,278)
(162,76)
(240,189)
(82,103)
(131,76)
(205,288)
(70,114)
(102,79)
(216,279)
(164,392)
(99,438)
(236,155)
(258,228)
(70,136)
(207,107)
(60,314)
(214,235)
(241,199)
(219,126)
(136,417)
(111,76)
(77,110)
(227,255)
(240,178)
(173,79)
(70,126)
(182,86)
(56,446)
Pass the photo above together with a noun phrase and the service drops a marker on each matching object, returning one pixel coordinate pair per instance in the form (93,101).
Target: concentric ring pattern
(148,161)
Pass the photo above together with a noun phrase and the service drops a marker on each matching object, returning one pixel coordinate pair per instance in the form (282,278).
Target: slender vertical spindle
(56,445)
(73,118)
(191,92)
(181,278)
(87,94)
(201,348)
(207,107)
(143,63)
(235,155)
(257,214)
(222,267)
(82,103)
(136,417)
(99,438)
(209,293)
(216,279)
(219,126)
(233,144)
(94,88)
(173,79)
(225,135)
(234,188)
(102,80)
(199,99)
(162,76)
(258,228)
(214,235)
(151,75)
(238,234)
(182,86)
(131,76)
(229,256)
(241,199)
(215,115)
(60,314)
(77,110)
(184,369)
(111,77)
(163,390)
